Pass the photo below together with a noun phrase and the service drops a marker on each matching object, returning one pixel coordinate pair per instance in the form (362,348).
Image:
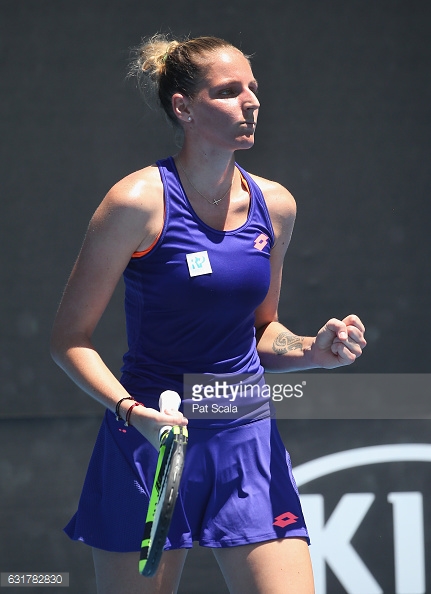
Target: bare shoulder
(281,206)
(132,210)
(139,190)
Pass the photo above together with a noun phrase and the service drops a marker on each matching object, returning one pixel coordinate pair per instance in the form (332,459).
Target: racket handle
(168,399)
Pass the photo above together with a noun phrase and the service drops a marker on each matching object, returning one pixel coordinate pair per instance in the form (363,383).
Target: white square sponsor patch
(199,263)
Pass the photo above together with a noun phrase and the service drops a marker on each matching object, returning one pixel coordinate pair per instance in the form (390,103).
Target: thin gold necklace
(213,200)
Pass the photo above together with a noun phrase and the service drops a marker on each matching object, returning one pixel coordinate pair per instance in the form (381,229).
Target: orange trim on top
(244,182)
(148,250)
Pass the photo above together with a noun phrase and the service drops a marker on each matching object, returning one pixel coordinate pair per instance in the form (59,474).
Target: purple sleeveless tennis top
(190,300)
(190,305)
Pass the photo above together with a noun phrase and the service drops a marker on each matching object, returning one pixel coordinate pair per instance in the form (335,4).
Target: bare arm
(338,342)
(128,219)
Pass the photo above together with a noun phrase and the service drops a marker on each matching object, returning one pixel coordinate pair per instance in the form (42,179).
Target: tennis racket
(170,464)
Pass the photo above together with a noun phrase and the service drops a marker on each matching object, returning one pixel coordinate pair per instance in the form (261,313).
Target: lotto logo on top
(261,241)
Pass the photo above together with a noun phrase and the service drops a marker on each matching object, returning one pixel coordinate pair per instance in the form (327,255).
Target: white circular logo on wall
(331,538)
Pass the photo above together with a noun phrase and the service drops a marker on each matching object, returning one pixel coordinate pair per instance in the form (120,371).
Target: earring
(189,118)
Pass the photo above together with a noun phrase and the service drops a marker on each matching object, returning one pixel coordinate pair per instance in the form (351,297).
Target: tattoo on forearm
(286,341)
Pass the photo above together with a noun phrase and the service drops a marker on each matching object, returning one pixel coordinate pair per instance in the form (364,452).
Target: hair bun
(153,55)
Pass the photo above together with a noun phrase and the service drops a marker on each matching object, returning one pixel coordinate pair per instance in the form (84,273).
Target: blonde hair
(169,66)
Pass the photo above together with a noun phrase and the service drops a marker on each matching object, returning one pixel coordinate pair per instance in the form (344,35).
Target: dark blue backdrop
(344,124)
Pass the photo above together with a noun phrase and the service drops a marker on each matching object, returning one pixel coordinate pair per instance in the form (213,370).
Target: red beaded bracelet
(129,413)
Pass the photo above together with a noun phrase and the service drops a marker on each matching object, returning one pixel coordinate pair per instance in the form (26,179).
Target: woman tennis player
(200,243)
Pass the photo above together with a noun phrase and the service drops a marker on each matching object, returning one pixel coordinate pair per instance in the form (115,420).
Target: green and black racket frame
(170,464)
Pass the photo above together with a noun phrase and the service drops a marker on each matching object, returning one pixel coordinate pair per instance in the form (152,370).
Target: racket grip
(168,399)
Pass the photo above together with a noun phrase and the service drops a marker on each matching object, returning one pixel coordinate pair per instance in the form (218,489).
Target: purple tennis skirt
(237,488)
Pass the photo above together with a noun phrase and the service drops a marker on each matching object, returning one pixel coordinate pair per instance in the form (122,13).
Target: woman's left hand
(339,342)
